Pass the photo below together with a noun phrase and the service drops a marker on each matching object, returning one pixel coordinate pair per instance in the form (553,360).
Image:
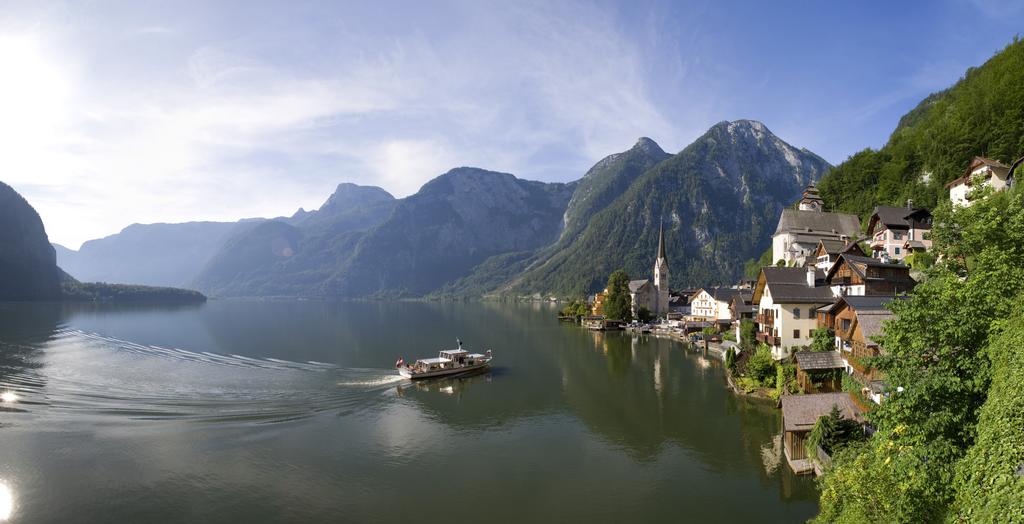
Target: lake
(291,411)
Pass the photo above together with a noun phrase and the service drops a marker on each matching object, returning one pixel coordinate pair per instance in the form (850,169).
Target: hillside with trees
(981,115)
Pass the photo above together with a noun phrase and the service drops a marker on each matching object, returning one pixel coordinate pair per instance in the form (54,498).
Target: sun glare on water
(8,397)
(6,502)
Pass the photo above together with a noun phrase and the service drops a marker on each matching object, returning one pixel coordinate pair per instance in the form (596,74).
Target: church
(653,295)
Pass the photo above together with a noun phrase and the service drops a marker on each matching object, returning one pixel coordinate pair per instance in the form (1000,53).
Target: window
(796,312)
(796,333)
(897,235)
(846,324)
(897,250)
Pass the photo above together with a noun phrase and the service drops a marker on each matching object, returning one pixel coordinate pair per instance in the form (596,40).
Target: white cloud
(222,128)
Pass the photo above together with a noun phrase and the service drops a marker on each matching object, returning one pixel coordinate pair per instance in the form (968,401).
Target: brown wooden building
(857,323)
(819,371)
(799,413)
(865,276)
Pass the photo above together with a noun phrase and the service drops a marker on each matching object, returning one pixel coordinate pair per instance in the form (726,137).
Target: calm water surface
(252,411)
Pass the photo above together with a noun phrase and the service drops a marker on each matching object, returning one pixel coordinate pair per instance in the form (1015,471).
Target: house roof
(812,360)
(832,246)
(859,264)
(894,217)
(800,412)
(741,302)
(788,285)
(828,224)
(636,285)
(976,163)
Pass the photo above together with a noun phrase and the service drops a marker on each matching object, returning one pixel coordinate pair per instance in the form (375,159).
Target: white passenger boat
(448,362)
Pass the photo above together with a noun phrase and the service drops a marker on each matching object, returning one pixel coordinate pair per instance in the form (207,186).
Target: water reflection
(6,502)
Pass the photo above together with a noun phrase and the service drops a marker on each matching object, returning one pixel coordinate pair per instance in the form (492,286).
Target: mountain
(294,256)
(151,254)
(719,198)
(980,115)
(28,263)
(454,223)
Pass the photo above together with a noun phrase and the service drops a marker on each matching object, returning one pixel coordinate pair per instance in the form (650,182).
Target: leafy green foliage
(748,332)
(822,339)
(103,292)
(644,315)
(988,485)
(576,309)
(752,268)
(833,431)
(730,359)
(785,378)
(617,305)
(944,348)
(761,366)
(983,114)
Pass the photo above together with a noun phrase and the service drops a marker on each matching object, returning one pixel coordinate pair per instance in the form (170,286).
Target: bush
(823,340)
(761,366)
(730,359)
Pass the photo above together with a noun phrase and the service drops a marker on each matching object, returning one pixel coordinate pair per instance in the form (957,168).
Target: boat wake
(89,375)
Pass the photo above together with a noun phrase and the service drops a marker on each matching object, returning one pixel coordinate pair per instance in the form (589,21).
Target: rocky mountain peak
(648,146)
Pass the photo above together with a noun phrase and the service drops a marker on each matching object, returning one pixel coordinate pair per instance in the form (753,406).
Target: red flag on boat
(399,362)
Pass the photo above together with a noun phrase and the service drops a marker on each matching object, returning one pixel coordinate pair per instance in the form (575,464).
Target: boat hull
(409,374)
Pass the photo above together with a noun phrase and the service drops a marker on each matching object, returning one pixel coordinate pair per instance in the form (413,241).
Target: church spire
(661,241)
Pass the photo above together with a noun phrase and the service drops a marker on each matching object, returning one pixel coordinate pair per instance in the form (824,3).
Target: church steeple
(661,241)
(661,275)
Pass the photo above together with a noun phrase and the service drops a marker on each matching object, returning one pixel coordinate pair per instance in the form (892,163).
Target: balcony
(766,319)
(767,338)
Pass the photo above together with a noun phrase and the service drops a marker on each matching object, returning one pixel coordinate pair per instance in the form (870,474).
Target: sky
(113,113)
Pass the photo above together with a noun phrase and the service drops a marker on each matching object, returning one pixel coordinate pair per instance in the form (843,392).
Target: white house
(982,172)
(800,230)
(788,299)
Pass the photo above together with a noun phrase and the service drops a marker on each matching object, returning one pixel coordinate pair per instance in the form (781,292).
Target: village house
(653,296)
(896,232)
(981,172)
(787,299)
(742,308)
(819,371)
(800,413)
(857,322)
(597,304)
(828,252)
(712,305)
(799,230)
(858,275)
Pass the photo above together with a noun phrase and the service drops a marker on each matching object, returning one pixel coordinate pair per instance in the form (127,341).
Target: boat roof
(454,351)
(476,355)
(434,360)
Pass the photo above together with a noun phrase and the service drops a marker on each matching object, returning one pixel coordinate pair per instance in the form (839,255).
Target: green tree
(761,366)
(822,339)
(618,305)
(748,332)
(943,350)
(644,315)
(752,268)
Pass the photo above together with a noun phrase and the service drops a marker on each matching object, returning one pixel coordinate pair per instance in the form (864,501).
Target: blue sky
(122,112)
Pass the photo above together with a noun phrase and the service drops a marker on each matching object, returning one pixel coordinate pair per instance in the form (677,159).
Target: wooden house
(866,276)
(800,413)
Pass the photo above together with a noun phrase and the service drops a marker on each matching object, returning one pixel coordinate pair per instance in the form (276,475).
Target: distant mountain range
(28,265)
(471,232)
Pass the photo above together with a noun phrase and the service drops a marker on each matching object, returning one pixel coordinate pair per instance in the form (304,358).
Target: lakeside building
(982,172)
(896,232)
(800,413)
(711,304)
(654,296)
(799,230)
(819,371)
(742,308)
(787,299)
